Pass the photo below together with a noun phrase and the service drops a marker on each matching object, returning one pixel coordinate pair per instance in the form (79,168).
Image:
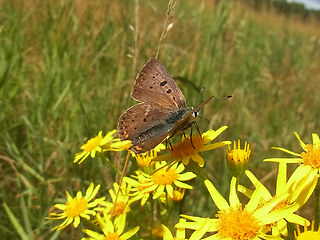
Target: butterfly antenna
(222,98)
(213,98)
(200,91)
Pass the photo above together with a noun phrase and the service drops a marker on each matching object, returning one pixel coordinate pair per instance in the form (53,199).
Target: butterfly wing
(145,125)
(155,86)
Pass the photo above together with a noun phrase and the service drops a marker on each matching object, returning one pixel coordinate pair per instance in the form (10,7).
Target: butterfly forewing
(155,86)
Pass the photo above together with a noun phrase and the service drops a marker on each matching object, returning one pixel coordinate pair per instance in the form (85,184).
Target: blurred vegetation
(285,7)
(67,68)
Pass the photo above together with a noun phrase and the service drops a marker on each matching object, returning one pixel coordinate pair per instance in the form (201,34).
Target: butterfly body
(161,113)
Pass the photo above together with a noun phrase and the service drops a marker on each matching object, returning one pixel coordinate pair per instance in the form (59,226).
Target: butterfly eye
(195,114)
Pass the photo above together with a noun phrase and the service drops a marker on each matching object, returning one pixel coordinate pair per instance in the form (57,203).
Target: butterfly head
(195,113)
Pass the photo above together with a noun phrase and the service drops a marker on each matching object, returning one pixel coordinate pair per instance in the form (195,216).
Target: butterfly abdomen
(149,132)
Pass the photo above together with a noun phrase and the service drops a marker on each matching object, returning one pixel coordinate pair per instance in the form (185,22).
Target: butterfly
(161,113)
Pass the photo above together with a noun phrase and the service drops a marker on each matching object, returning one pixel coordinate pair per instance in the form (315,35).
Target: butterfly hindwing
(155,86)
(144,125)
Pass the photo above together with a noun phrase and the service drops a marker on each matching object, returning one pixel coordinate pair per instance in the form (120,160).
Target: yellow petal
(218,199)
(315,141)
(233,197)
(303,145)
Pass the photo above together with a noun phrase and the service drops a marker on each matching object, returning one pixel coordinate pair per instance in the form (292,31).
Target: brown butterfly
(162,111)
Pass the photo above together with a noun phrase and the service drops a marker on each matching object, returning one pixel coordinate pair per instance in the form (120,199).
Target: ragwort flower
(237,158)
(297,191)
(77,207)
(146,159)
(236,222)
(112,231)
(99,144)
(178,194)
(191,147)
(137,190)
(307,234)
(120,204)
(163,179)
(310,158)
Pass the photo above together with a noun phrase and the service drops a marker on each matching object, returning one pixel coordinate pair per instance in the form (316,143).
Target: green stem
(237,182)
(110,163)
(152,220)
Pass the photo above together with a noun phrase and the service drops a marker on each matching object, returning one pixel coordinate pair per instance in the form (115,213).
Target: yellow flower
(191,147)
(77,207)
(137,190)
(297,191)
(164,179)
(122,205)
(111,231)
(236,222)
(145,159)
(178,194)
(99,144)
(238,159)
(309,158)
(157,231)
(307,235)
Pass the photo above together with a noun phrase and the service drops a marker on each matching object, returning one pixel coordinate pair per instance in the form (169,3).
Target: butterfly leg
(184,134)
(197,127)
(168,142)
(191,127)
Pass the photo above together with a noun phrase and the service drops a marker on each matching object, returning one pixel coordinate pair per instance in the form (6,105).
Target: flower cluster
(155,190)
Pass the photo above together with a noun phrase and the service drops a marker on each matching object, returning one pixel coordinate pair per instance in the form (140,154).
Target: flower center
(112,236)
(118,209)
(164,177)
(237,224)
(311,157)
(92,143)
(187,147)
(76,207)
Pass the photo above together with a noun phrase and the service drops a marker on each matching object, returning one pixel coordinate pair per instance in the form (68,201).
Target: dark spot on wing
(144,119)
(163,83)
(169,91)
(150,87)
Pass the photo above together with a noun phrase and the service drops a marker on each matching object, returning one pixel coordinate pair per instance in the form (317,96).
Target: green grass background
(66,72)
